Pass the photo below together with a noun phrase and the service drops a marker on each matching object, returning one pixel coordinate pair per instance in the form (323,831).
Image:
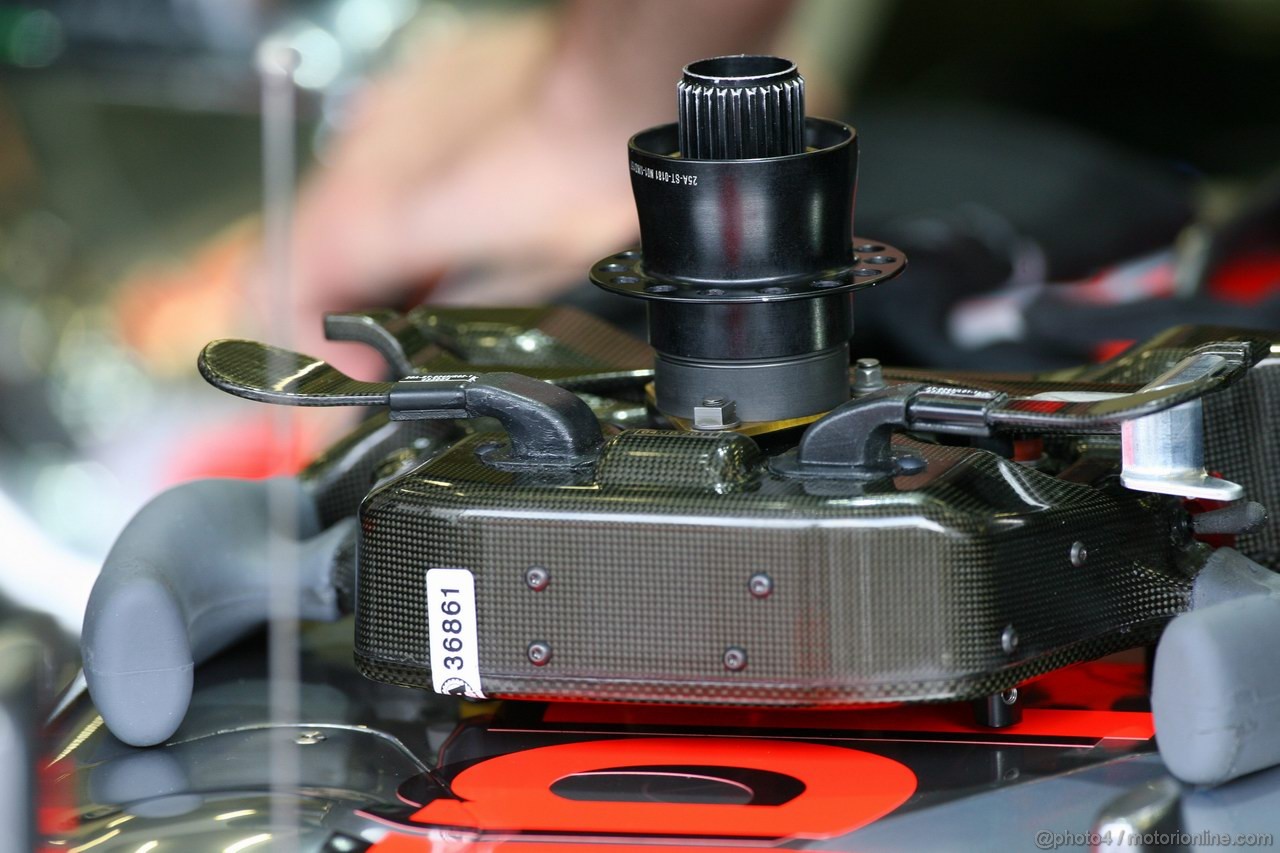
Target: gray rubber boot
(1215,689)
(188,577)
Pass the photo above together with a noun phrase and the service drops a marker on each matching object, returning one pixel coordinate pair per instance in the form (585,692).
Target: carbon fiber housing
(1243,444)
(954,583)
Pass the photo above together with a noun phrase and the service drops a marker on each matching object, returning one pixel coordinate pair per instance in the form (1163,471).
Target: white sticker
(451,626)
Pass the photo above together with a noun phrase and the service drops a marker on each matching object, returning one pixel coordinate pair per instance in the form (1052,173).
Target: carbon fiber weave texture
(901,590)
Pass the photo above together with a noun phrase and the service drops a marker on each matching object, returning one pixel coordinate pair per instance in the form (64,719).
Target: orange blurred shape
(166,312)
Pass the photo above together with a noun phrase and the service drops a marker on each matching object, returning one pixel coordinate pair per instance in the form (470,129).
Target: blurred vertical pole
(20,660)
(277,63)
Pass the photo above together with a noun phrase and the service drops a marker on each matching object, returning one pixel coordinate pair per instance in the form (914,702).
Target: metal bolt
(760,584)
(715,413)
(1079,554)
(1009,640)
(735,659)
(868,376)
(1010,696)
(537,578)
(309,738)
(539,653)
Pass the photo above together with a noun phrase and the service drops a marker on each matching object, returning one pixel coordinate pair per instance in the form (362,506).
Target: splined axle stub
(745,207)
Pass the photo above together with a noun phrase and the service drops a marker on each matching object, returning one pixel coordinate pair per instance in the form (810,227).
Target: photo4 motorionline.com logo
(1130,839)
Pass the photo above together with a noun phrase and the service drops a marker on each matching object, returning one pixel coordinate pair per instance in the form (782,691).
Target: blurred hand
(478,163)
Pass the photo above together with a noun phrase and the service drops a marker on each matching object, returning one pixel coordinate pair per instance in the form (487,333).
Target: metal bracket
(547,425)
(1161,425)
(400,339)
(1164,452)
(853,441)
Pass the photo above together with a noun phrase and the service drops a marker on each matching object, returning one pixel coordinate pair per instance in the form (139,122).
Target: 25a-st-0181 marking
(664,176)
(452,631)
